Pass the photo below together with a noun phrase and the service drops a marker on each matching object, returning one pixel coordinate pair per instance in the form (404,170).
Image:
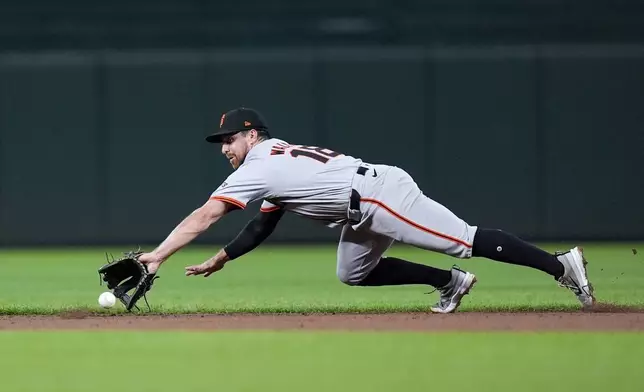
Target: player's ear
(253,135)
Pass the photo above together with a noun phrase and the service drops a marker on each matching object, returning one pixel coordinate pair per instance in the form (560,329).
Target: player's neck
(255,143)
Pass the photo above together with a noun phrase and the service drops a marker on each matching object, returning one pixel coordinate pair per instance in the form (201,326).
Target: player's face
(235,148)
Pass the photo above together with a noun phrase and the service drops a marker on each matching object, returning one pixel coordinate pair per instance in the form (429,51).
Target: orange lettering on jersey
(279,148)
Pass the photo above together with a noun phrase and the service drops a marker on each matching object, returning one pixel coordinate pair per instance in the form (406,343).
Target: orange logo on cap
(246,124)
(221,122)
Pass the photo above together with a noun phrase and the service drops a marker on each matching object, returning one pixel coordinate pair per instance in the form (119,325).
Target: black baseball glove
(125,274)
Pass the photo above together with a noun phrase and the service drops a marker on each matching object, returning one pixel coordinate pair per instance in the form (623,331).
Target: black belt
(354,201)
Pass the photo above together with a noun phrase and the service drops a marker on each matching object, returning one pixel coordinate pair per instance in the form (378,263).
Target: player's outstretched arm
(253,234)
(186,231)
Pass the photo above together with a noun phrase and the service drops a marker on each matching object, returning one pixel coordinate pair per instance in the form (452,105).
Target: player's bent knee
(349,277)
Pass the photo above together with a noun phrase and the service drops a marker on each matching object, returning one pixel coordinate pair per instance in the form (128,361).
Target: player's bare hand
(151,261)
(206,268)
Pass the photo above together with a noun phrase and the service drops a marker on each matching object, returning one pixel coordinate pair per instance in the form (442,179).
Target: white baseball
(107,299)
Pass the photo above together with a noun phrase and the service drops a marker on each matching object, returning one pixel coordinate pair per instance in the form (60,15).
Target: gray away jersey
(308,181)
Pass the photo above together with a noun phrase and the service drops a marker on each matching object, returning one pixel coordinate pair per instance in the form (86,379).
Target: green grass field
(281,361)
(302,279)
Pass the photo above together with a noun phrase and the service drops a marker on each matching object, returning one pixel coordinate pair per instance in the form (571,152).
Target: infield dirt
(602,318)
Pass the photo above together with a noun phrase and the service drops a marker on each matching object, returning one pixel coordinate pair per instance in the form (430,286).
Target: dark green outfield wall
(545,141)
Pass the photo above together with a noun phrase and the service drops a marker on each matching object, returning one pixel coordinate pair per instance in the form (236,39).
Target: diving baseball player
(374,204)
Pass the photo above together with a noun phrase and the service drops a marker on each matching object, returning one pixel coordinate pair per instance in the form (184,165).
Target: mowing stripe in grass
(323,361)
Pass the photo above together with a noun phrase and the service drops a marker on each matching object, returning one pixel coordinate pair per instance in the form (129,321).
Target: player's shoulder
(277,142)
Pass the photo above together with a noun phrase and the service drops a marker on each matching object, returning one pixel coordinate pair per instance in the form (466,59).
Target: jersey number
(319,154)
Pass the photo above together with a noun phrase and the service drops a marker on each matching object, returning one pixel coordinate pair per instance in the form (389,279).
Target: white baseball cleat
(575,275)
(453,292)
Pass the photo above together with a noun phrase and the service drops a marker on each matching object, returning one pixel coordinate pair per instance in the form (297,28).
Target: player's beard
(235,162)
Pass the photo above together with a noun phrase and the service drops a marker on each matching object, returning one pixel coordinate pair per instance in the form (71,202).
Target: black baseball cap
(237,120)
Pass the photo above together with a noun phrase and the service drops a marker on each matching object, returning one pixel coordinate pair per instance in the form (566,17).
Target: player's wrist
(222,256)
(157,257)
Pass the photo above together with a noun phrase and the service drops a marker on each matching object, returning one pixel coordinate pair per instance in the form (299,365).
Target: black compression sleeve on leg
(502,246)
(392,271)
